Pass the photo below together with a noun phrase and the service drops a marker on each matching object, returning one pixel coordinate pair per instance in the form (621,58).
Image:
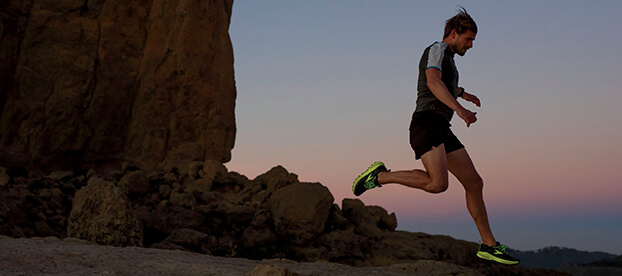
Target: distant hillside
(611,267)
(556,257)
(617,262)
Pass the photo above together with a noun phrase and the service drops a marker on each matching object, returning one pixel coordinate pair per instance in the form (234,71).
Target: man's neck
(446,40)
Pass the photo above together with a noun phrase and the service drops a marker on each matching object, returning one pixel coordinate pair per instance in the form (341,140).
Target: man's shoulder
(436,50)
(433,56)
(439,46)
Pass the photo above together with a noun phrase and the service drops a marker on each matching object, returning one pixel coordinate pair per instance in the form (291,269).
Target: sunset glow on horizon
(326,88)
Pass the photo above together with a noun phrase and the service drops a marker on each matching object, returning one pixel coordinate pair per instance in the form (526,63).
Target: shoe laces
(501,248)
(370,184)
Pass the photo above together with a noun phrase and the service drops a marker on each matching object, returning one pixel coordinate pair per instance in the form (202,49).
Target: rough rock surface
(273,216)
(52,256)
(300,211)
(100,82)
(102,213)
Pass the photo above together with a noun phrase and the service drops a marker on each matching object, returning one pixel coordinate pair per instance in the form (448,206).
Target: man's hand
(467,116)
(471,98)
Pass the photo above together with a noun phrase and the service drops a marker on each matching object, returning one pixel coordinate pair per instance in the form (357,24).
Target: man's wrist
(460,92)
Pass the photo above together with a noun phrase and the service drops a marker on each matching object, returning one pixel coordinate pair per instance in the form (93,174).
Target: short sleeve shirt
(440,56)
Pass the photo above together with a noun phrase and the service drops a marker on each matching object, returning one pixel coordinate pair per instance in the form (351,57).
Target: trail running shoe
(368,179)
(496,253)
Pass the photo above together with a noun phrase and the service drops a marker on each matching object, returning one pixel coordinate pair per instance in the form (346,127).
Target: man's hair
(461,22)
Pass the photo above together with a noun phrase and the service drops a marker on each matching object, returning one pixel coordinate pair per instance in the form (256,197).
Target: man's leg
(461,166)
(433,180)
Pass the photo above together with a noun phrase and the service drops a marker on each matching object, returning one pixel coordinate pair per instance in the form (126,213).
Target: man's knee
(479,183)
(475,184)
(437,187)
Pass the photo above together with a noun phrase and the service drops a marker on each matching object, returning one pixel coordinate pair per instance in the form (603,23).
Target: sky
(325,88)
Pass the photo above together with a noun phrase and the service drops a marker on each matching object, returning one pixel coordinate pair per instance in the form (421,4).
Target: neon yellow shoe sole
(491,257)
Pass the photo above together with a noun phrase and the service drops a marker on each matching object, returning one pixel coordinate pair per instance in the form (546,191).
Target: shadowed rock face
(102,82)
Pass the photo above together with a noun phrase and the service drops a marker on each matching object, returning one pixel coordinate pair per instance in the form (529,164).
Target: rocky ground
(77,257)
(200,212)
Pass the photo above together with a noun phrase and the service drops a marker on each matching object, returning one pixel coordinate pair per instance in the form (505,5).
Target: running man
(432,139)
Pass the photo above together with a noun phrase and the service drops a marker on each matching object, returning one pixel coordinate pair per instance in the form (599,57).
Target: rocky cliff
(107,81)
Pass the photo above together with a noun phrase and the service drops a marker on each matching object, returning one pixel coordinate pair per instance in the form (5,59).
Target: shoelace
(501,248)
(369,184)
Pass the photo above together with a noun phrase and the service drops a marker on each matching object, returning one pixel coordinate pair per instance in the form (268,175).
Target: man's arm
(439,90)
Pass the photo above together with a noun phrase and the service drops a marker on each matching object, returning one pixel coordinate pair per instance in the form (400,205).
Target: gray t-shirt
(438,55)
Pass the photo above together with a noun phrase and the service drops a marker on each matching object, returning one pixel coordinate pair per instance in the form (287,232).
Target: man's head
(460,32)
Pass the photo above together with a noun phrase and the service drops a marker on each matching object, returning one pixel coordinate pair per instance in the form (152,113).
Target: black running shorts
(429,129)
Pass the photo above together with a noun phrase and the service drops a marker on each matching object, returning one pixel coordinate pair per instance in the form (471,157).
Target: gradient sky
(325,88)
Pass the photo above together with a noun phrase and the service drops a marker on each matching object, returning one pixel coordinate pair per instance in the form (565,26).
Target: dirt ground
(52,256)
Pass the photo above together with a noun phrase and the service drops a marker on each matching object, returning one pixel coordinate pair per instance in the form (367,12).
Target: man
(432,140)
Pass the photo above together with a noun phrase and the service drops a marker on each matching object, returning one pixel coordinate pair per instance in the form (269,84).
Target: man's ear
(453,34)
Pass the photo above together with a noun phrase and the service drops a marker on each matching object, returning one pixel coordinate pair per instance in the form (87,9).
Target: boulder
(193,169)
(369,220)
(241,213)
(102,213)
(178,217)
(400,246)
(345,246)
(213,170)
(274,179)
(183,199)
(257,237)
(259,233)
(336,220)
(135,183)
(202,185)
(60,175)
(300,211)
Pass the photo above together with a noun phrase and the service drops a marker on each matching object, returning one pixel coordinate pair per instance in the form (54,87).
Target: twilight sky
(325,88)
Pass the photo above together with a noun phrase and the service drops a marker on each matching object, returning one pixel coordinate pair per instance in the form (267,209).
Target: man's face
(462,42)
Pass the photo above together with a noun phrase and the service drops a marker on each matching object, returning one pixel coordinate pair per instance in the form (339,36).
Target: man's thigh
(459,163)
(435,163)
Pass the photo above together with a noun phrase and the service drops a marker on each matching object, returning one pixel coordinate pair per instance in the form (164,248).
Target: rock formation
(102,82)
(203,208)
(300,221)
